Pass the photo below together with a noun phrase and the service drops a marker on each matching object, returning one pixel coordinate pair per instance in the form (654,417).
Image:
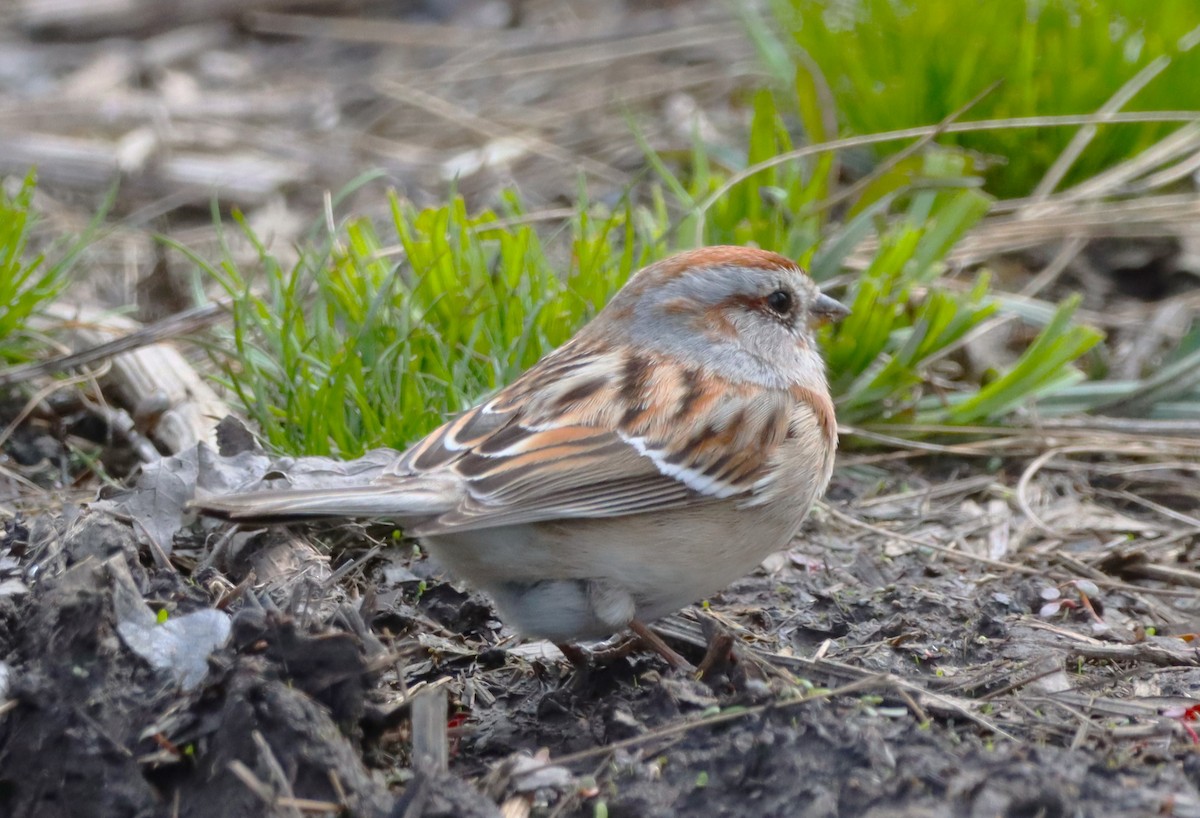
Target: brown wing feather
(585,434)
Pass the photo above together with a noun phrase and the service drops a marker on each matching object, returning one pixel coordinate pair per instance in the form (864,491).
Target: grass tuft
(362,343)
(892,64)
(377,334)
(27,282)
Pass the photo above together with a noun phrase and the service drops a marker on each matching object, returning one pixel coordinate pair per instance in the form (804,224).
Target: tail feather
(398,502)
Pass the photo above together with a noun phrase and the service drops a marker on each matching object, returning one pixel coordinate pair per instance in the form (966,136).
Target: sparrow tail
(397,502)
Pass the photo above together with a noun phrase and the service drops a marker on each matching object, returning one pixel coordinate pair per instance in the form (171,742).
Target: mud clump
(92,728)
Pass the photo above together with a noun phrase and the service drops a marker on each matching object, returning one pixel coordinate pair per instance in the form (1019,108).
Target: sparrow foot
(655,642)
(584,659)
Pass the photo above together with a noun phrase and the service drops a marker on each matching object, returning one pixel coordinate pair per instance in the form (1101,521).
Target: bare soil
(869,675)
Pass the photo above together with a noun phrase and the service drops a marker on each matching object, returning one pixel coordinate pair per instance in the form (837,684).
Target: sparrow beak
(826,309)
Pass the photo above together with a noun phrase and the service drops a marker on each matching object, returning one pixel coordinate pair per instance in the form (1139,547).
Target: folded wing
(580,435)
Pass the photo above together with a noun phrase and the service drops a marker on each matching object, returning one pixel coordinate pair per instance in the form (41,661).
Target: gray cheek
(802,338)
(678,337)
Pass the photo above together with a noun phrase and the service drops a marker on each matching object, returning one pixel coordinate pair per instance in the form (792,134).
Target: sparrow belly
(682,557)
(587,579)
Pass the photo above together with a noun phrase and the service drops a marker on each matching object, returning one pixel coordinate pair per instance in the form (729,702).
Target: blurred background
(264,105)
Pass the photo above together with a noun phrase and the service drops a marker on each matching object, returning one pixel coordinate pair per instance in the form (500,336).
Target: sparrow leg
(655,642)
(584,658)
(719,654)
(576,655)
(614,649)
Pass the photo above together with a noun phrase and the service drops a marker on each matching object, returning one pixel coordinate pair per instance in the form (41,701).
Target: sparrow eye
(780,302)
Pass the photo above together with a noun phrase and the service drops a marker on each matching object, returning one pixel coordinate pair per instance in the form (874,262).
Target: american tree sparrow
(661,453)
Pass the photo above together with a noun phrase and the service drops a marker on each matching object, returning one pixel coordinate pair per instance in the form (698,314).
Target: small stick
(431,745)
(183,323)
(269,760)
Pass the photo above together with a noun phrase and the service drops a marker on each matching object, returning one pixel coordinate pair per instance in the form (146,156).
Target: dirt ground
(871,675)
(986,626)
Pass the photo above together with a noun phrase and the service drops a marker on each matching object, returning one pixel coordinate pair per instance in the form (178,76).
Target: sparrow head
(748,314)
